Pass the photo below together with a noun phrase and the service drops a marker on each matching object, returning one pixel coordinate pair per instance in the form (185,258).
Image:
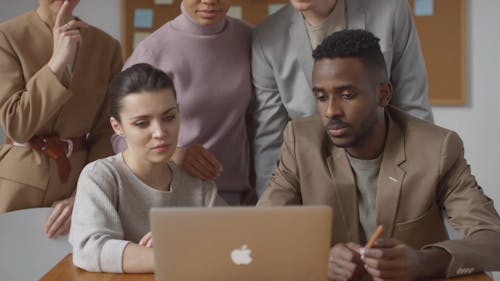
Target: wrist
(433,262)
(59,70)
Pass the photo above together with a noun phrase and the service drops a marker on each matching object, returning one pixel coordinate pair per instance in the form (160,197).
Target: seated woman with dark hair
(110,226)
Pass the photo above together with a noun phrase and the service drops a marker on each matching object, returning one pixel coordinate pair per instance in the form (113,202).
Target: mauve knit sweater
(210,67)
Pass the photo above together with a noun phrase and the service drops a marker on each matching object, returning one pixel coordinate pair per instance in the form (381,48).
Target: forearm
(25,111)
(138,259)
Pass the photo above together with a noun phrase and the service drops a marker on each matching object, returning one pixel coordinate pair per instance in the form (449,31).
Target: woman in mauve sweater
(208,56)
(110,225)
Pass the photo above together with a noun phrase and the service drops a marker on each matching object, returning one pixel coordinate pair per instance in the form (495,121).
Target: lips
(160,147)
(208,13)
(336,128)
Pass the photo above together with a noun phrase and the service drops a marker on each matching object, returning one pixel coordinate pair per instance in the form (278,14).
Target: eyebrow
(145,116)
(337,89)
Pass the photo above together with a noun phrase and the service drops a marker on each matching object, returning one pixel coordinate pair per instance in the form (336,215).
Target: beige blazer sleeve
(26,106)
(283,187)
(469,211)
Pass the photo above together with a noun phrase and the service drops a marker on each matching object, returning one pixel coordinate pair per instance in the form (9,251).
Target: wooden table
(66,271)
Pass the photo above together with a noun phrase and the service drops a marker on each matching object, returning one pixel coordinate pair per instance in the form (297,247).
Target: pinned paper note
(273,8)
(234,12)
(424,8)
(143,18)
(164,2)
(138,37)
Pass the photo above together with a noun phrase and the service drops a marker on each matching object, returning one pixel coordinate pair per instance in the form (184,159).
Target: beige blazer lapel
(345,191)
(390,178)
(299,40)
(356,15)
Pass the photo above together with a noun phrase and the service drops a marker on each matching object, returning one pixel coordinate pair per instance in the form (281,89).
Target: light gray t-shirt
(366,173)
(336,21)
(112,209)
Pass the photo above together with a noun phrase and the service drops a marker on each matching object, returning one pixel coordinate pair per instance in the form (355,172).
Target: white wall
(478,123)
(103,14)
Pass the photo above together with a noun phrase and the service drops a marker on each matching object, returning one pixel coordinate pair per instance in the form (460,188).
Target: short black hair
(138,78)
(353,43)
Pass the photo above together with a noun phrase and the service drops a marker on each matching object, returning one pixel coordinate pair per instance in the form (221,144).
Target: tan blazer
(423,173)
(33,101)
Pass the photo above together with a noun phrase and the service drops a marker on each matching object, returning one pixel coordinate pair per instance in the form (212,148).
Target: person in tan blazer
(54,77)
(376,165)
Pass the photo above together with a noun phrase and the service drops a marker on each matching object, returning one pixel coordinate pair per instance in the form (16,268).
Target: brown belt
(56,148)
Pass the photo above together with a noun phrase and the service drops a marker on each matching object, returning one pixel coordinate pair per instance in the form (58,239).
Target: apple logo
(241,256)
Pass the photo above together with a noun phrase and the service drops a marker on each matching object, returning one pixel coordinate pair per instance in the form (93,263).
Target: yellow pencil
(375,236)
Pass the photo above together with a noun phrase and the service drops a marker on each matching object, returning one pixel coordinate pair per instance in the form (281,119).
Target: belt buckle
(70,146)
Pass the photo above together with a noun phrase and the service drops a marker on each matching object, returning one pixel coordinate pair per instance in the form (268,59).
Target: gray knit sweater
(112,206)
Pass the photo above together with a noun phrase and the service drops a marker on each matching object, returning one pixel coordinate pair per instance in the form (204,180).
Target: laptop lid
(241,243)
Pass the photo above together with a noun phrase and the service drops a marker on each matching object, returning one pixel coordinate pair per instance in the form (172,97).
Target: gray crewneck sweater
(112,206)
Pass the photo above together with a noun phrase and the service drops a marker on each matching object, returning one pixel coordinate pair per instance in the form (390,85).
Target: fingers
(59,221)
(147,240)
(201,163)
(383,249)
(390,260)
(65,12)
(73,25)
(344,263)
(211,159)
(205,158)
(64,229)
(198,170)
(52,218)
(62,14)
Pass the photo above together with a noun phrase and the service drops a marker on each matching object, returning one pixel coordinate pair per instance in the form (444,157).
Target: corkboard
(252,11)
(442,37)
(444,44)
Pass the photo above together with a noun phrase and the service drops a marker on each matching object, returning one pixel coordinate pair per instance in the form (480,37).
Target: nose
(209,1)
(334,108)
(159,130)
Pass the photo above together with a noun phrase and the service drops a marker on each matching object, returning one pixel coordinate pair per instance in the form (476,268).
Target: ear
(117,127)
(384,91)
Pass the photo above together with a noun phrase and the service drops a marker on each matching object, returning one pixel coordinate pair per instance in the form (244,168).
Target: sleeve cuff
(112,256)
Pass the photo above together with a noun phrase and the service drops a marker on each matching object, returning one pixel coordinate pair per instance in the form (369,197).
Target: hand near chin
(67,38)
(198,161)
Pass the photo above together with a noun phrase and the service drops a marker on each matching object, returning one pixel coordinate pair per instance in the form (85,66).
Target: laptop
(241,243)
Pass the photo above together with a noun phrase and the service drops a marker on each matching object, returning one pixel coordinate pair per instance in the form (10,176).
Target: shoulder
(157,42)
(307,131)
(103,168)
(240,25)
(18,28)
(311,124)
(424,137)
(184,177)
(414,126)
(21,21)
(102,37)
(276,24)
